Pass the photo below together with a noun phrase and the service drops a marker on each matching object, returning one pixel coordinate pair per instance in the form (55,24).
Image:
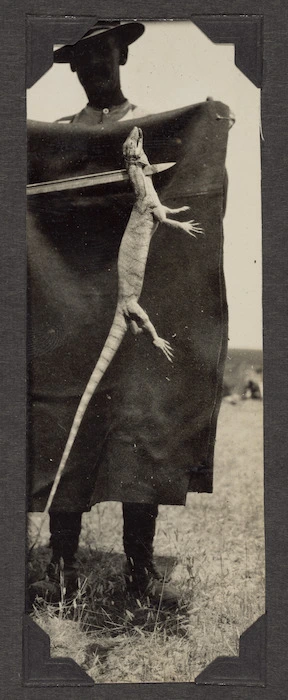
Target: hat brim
(128,32)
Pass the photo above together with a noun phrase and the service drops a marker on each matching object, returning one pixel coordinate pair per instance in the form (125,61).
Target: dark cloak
(148,434)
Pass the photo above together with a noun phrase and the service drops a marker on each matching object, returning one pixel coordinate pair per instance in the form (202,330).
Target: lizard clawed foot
(193,228)
(165,347)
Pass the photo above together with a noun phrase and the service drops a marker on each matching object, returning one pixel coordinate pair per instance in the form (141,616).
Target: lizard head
(133,148)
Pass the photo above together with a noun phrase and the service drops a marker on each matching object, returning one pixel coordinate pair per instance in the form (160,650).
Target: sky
(172,65)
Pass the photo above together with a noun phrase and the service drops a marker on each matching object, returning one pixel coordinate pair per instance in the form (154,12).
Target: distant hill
(241,366)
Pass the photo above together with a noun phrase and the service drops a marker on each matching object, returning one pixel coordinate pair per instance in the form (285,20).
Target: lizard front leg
(175,211)
(135,309)
(191,227)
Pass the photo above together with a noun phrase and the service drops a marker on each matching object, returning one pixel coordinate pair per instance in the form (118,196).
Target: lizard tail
(114,339)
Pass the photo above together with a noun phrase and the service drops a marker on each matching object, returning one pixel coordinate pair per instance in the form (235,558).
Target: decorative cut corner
(246,669)
(40,669)
(245,32)
(41,36)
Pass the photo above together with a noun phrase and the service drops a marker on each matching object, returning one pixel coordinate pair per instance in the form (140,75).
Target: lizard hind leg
(136,310)
(134,328)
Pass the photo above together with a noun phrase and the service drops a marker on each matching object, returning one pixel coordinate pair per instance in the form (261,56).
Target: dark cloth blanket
(149,431)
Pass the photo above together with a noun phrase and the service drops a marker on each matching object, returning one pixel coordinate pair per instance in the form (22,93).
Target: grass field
(240,364)
(213,549)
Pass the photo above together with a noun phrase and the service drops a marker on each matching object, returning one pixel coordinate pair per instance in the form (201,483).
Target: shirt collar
(109,113)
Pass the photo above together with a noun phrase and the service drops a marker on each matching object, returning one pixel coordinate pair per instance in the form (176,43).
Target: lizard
(146,214)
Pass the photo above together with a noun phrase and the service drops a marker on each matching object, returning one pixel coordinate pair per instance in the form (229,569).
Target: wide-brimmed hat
(127,32)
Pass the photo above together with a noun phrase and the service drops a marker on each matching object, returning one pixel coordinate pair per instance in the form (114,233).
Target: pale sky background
(172,65)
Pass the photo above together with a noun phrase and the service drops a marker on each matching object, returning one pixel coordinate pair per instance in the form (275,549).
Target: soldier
(96,58)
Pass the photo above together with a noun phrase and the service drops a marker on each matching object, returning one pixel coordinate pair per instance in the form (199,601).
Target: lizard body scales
(147,213)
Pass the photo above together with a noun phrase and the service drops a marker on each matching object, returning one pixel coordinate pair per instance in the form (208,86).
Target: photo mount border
(245,32)
(40,669)
(12,348)
(247,669)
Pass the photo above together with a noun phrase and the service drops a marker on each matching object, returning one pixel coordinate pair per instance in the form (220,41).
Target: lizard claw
(193,228)
(165,347)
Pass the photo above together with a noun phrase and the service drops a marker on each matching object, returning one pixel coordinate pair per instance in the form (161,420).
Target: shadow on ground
(103,605)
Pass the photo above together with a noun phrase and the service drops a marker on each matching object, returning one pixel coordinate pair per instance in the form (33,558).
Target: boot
(141,576)
(61,579)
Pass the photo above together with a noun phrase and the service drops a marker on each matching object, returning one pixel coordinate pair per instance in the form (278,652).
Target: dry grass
(213,549)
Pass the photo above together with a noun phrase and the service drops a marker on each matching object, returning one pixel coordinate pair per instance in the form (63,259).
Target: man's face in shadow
(96,63)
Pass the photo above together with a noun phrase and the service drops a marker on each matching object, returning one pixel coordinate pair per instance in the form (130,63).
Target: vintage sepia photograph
(145,519)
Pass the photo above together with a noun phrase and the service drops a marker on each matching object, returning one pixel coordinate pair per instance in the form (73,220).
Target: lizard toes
(168,352)
(195,228)
(165,346)
(168,355)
